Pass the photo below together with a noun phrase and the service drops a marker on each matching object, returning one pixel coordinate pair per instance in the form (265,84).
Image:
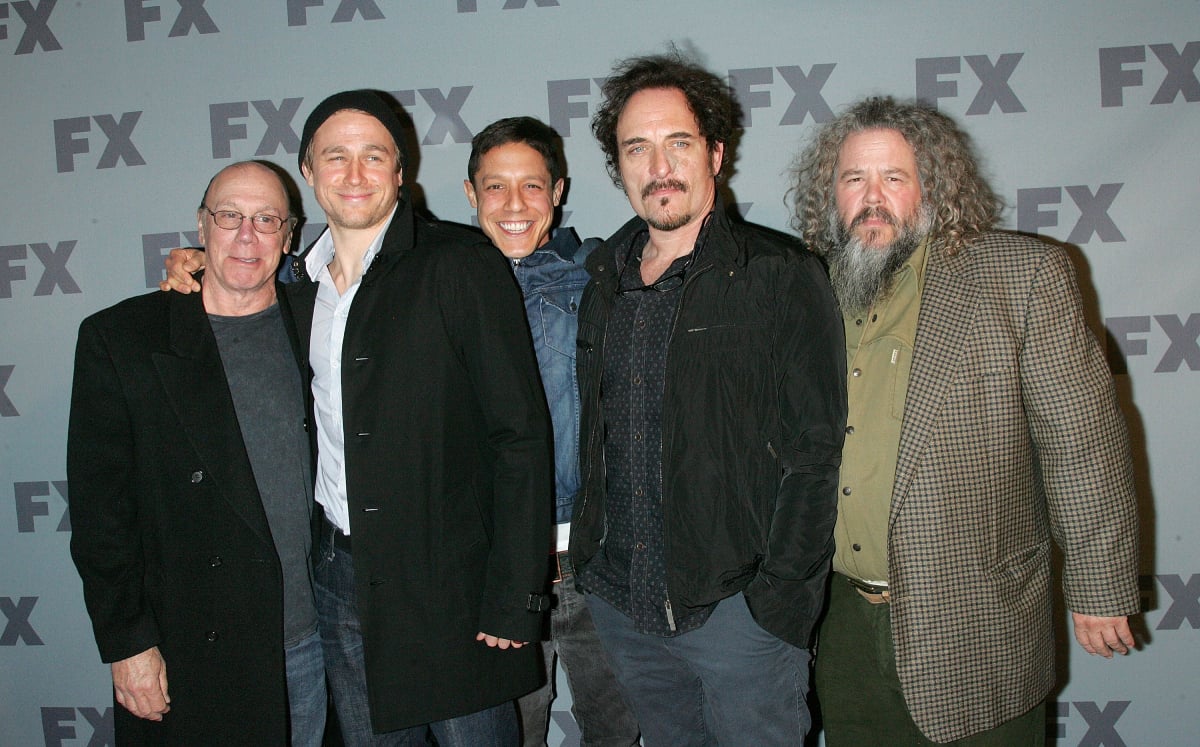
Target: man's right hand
(141,684)
(181,263)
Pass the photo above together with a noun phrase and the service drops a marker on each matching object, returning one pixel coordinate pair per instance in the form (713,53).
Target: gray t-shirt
(268,396)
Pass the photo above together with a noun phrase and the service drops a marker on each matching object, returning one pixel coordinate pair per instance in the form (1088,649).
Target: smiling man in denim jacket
(515,183)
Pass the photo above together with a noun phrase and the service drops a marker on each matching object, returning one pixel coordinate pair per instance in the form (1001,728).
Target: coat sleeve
(106,543)
(1082,446)
(495,343)
(810,354)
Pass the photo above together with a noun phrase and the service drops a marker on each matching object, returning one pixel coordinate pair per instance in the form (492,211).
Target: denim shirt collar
(561,247)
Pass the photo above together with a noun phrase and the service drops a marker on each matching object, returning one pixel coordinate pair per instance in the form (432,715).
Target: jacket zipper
(662,439)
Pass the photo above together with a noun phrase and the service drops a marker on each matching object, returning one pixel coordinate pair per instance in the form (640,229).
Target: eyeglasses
(664,284)
(231,220)
(670,282)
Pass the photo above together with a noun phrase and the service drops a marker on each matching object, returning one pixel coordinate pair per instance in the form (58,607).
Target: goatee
(862,275)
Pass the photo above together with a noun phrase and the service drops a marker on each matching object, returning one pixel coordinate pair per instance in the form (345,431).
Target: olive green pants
(859,691)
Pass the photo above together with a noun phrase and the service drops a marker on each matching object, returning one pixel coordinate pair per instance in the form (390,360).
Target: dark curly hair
(962,203)
(712,102)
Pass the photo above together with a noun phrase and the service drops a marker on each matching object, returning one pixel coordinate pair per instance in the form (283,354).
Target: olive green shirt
(879,345)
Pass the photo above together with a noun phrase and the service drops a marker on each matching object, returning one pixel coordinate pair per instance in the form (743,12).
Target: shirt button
(641,324)
(850,430)
(215,561)
(857,547)
(846,491)
(197,476)
(639,492)
(874,317)
(858,322)
(640,546)
(856,372)
(637,379)
(637,437)
(211,636)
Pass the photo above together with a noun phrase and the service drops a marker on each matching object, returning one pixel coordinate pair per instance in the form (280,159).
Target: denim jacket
(552,280)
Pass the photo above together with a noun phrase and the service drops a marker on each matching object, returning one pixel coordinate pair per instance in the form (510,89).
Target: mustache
(874,212)
(663,184)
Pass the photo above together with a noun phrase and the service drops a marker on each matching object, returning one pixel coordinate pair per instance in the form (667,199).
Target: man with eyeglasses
(191,492)
(712,380)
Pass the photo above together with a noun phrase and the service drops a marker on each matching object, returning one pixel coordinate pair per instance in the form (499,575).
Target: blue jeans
(728,682)
(306,690)
(341,638)
(599,708)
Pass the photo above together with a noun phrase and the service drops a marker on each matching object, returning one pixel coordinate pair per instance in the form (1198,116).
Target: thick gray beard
(861,275)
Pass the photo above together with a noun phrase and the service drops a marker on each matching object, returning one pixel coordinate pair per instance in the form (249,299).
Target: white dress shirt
(325,357)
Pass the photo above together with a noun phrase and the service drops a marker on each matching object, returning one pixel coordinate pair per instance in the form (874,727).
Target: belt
(873,593)
(340,541)
(560,566)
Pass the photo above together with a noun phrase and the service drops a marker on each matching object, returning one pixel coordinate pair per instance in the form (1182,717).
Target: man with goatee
(713,405)
(982,422)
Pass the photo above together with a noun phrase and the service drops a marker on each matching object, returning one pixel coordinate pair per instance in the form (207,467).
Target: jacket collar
(399,238)
(721,246)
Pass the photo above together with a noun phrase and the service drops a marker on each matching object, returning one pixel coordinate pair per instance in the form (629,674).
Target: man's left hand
(1101,636)
(500,643)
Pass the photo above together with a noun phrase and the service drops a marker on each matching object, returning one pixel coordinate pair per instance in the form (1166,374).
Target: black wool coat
(168,529)
(449,470)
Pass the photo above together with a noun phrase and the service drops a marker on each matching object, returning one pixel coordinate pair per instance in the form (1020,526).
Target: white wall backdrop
(115,114)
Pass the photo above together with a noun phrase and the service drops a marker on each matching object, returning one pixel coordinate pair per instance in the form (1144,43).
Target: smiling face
(241,262)
(667,167)
(514,198)
(354,171)
(877,186)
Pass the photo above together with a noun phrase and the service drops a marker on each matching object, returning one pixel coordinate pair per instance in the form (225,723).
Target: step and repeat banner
(116,113)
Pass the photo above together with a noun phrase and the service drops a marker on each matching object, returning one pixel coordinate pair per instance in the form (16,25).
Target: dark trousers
(859,689)
(341,637)
(599,708)
(728,682)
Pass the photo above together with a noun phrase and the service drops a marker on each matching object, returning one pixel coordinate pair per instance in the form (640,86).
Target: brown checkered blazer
(1011,435)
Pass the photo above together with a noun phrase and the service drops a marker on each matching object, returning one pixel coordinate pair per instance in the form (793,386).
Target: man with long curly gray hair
(982,421)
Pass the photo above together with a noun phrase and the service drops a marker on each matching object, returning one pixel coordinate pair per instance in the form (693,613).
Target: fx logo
(54,267)
(28,507)
(37,25)
(18,627)
(805,90)
(1180,66)
(994,88)
(1093,211)
(297,11)
(562,109)
(1181,349)
(119,133)
(278,119)
(472,6)
(7,408)
(156,246)
(1185,599)
(1101,721)
(58,724)
(447,112)
(192,15)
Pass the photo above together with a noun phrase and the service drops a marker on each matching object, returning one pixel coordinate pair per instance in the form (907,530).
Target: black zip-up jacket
(754,413)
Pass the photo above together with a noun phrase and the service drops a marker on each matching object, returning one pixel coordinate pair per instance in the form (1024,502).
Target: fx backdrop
(117,112)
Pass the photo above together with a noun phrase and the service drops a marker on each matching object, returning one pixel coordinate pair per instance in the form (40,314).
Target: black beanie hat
(363,100)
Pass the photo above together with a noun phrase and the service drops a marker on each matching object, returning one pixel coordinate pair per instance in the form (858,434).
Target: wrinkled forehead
(248,183)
